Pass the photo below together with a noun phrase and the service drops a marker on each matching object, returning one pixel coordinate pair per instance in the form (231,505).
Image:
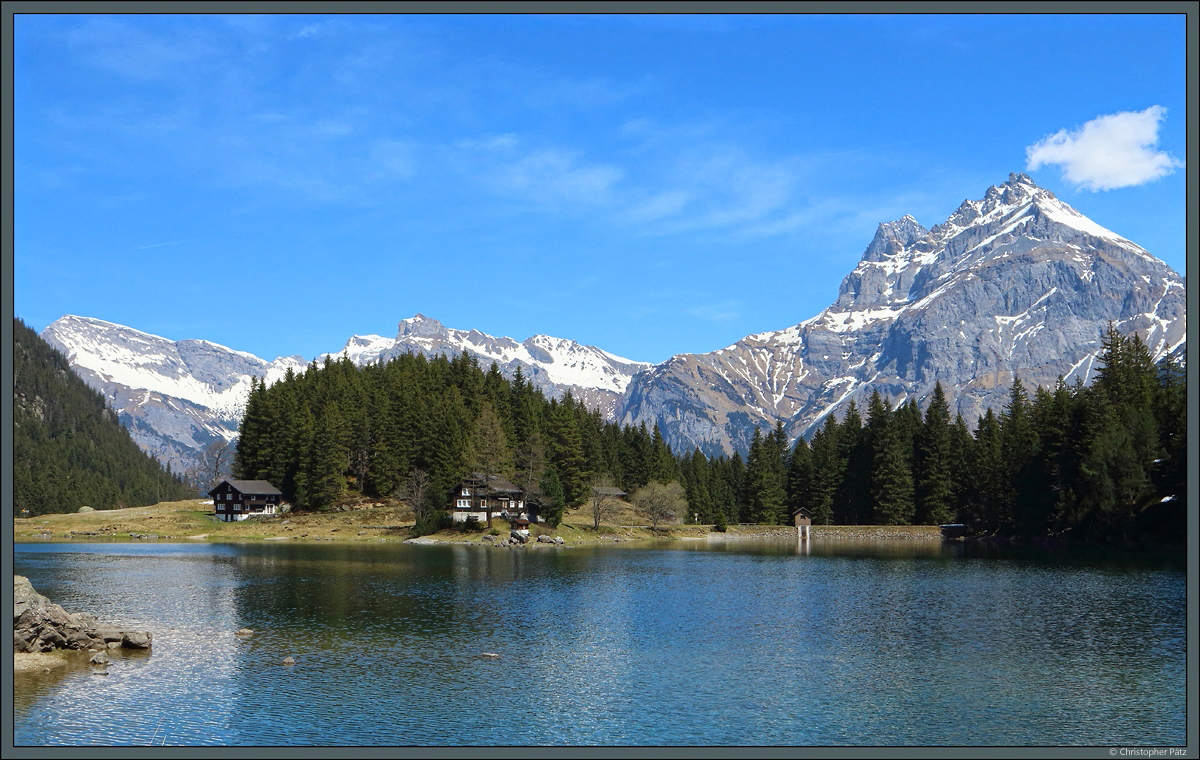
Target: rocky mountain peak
(420,326)
(1014,283)
(893,237)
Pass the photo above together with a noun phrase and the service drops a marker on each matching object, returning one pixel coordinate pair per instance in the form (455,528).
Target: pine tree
(765,479)
(799,476)
(328,459)
(552,499)
(565,450)
(828,469)
(489,450)
(662,463)
(857,456)
(891,473)
(989,483)
(934,480)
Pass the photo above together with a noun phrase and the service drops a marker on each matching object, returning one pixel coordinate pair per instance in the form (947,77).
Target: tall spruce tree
(565,449)
(891,471)
(934,482)
(857,457)
(828,469)
(765,479)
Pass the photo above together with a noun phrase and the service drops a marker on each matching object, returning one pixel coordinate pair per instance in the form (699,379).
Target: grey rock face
(1015,284)
(175,397)
(40,625)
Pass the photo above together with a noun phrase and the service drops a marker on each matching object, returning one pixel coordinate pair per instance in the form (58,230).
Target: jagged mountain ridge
(175,397)
(1017,283)
(554,365)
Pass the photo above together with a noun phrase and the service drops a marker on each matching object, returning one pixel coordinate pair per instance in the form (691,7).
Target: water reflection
(699,643)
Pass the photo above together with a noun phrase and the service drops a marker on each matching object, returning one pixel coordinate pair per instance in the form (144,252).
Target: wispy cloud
(724,311)
(1108,152)
(546,175)
(140,54)
(173,242)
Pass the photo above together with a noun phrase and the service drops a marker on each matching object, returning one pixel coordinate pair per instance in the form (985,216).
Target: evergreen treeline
(416,426)
(1091,462)
(1099,462)
(69,450)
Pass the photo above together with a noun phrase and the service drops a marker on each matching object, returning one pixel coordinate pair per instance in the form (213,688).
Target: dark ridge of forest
(69,449)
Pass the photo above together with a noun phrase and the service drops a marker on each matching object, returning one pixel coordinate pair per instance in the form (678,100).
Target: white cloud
(717,312)
(395,157)
(552,174)
(1111,151)
(544,175)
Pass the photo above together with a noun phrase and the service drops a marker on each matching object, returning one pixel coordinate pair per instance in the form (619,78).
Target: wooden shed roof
(252,487)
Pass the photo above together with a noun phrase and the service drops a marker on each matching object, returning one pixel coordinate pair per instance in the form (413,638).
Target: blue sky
(650,185)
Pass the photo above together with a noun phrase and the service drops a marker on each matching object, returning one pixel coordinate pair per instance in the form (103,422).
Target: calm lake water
(691,644)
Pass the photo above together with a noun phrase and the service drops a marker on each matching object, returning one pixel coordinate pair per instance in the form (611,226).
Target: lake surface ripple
(691,644)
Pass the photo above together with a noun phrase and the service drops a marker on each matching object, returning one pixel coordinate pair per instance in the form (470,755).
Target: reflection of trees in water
(381,592)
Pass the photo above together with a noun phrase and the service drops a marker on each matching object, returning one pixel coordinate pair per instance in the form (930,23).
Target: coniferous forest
(69,450)
(1098,462)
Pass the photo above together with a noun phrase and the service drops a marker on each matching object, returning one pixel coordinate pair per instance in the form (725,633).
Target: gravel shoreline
(28,662)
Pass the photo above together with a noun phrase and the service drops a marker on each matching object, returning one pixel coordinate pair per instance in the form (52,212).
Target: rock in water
(289,660)
(40,625)
(136,640)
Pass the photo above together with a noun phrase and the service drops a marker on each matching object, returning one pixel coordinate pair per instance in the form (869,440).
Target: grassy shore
(193,521)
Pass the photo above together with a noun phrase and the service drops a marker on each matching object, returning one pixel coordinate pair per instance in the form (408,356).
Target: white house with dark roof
(479,497)
(235,500)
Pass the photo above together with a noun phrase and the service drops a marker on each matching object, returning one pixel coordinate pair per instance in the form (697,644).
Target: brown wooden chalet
(481,497)
(238,499)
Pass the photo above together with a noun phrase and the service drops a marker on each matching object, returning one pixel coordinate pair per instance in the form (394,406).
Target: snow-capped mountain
(1015,284)
(554,365)
(177,396)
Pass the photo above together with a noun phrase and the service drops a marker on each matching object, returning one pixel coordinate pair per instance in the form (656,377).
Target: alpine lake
(751,643)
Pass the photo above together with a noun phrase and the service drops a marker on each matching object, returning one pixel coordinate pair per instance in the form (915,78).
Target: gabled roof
(496,483)
(251,487)
(608,491)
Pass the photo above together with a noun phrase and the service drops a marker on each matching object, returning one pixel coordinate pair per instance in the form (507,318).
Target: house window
(464,502)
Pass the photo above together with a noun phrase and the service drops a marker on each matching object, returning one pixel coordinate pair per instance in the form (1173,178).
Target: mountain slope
(69,450)
(1017,283)
(177,396)
(174,396)
(554,365)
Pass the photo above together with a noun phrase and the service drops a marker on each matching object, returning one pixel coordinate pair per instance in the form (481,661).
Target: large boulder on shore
(39,625)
